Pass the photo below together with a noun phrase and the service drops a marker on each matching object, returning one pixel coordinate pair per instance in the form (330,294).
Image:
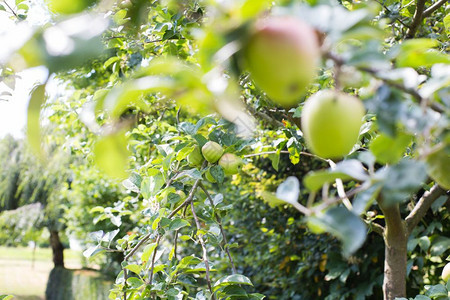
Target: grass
(26,281)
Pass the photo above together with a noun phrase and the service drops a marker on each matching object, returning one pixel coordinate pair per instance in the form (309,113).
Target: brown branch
(205,253)
(376,74)
(125,277)
(375,227)
(158,238)
(422,206)
(219,221)
(427,12)
(264,116)
(148,235)
(417,18)
(12,10)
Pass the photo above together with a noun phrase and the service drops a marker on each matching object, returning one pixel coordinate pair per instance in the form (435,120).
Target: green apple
(446,273)
(437,166)
(195,158)
(212,151)
(230,163)
(282,56)
(330,123)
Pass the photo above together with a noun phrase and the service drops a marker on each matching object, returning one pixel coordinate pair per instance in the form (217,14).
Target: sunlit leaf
(231,280)
(389,150)
(111,155)
(34,134)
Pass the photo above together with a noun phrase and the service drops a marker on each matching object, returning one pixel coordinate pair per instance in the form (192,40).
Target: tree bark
(57,249)
(395,239)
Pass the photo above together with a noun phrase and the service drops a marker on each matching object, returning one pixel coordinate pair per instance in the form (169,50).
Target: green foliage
(143,92)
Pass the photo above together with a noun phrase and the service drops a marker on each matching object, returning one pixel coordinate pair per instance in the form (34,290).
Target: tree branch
(417,18)
(12,10)
(422,206)
(158,238)
(205,253)
(219,221)
(263,116)
(148,235)
(375,227)
(433,8)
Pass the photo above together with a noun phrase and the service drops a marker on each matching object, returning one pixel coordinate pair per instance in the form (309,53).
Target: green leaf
(419,53)
(388,150)
(150,186)
(135,282)
(217,173)
(6,297)
(401,180)
(424,243)
(435,291)
(111,155)
(344,225)
(34,134)
(271,199)
(148,251)
(440,245)
(178,223)
(447,23)
(345,170)
(110,61)
(289,190)
(275,158)
(231,280)
(134,268)
(232,291)
(93,251)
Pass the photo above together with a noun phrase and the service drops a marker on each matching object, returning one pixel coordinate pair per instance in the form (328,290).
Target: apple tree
(359,89)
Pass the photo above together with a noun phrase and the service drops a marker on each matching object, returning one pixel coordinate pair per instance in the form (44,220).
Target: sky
(13,111)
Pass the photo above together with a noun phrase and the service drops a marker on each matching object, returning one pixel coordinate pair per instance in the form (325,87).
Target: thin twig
(11,10)
(285,152)
(148,235)
(219,221)
(336,200)
(427,12)
(158,238)
(205,253)
(125,277)
(340,188)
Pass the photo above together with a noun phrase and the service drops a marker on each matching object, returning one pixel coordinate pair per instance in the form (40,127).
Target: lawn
(24,279)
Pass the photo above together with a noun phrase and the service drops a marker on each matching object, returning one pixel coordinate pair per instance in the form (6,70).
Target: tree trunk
(57,248)
(395,239)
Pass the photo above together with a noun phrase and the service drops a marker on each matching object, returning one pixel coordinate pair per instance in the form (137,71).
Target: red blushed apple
(282,55)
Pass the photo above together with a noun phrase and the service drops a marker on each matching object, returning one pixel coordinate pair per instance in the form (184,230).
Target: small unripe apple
(282,55)
(330,123)
(195,158)
(446,273)
(230,163)
(212,151)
